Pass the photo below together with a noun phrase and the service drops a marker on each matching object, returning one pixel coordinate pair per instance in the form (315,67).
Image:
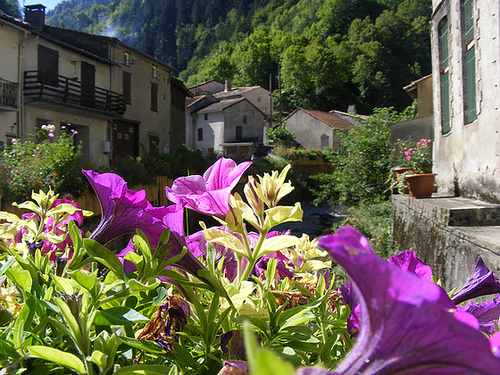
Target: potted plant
(419,178)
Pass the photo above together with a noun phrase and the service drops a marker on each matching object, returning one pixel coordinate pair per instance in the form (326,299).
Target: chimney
(227,85)
(352,109)
(35,15)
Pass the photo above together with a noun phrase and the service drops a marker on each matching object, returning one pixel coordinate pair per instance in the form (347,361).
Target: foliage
(360,173)
(331,53)
(373,219)
(281,136)
(10,7)
(50,162)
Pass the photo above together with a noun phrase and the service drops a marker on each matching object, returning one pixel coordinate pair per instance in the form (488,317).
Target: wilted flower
(171,318)
(208,194)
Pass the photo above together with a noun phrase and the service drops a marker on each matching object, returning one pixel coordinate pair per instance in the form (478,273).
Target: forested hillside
(331,53)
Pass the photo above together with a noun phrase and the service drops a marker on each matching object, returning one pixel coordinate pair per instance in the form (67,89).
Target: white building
(465,58)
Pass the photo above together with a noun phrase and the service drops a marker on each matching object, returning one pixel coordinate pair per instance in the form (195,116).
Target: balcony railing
(8,93)
(67,91)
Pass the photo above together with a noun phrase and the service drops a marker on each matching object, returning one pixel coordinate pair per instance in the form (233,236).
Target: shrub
(361,172)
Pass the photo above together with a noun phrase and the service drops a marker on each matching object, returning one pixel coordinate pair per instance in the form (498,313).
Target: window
(205,117)
(126,58)
(239,132)
(127,87)
(445,75)
(155,71)
(469,87)
(154,96)
(244,119)
(48,65)
(200,134)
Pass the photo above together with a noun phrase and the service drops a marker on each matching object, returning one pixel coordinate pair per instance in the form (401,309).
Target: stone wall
(451,251)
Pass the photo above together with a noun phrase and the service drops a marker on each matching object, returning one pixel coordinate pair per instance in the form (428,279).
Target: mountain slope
(330,53)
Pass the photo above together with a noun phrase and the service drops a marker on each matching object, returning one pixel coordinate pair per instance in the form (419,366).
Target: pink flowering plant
(238,297)
(417,155)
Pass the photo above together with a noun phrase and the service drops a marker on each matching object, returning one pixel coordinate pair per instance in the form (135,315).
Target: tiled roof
(330,119)
(220,106)
(234,92)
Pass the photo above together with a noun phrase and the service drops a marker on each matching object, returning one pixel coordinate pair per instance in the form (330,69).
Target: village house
(116,97)
(461,222)
(318,130)
(465,51)
(227,121)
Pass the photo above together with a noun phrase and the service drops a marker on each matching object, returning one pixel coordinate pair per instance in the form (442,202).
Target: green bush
(33,165)
(361,172)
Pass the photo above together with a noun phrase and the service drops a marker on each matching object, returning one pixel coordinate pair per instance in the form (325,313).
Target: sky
(50,4)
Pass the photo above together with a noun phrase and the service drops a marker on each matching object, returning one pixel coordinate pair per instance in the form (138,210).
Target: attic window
(155,71)
(126,58)
(244,119)
(205,117)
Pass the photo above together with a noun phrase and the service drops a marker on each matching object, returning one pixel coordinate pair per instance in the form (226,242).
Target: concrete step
(458,211)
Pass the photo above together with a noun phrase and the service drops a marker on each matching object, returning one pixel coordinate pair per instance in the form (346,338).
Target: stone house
(116,97)
(318,130)
(228,127)
(460,223)
(465,60)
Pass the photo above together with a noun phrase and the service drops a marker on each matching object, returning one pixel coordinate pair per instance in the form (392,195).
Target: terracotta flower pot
(420,185)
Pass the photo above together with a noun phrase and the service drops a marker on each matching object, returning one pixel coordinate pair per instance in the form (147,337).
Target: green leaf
(146,345)
(136,286)
(278,243)
(143,370)
(99,358)
(8,350)
(85,279)
(63,285)
(64,359)
(263,361)
(104,256)
(119,315)
(21,278)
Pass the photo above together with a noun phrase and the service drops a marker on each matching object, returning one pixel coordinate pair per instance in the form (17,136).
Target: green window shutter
(445,103)
(470,86)
(445,76)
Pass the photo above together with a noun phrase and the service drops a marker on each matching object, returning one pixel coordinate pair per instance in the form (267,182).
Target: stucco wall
(10,39)
(213,131)
(467,159)
(233,116)
(416,129)
(97,132)
(155,123)
(308,130)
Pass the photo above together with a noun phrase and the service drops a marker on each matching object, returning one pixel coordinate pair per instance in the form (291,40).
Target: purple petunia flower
(407,325)
(208,194)
(124,211)
(481,282)
(486,313)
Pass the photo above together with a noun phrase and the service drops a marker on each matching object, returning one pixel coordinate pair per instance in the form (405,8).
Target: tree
(10,7)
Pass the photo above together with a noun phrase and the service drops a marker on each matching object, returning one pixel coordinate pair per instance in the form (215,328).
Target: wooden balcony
(63,91)
(8,94)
